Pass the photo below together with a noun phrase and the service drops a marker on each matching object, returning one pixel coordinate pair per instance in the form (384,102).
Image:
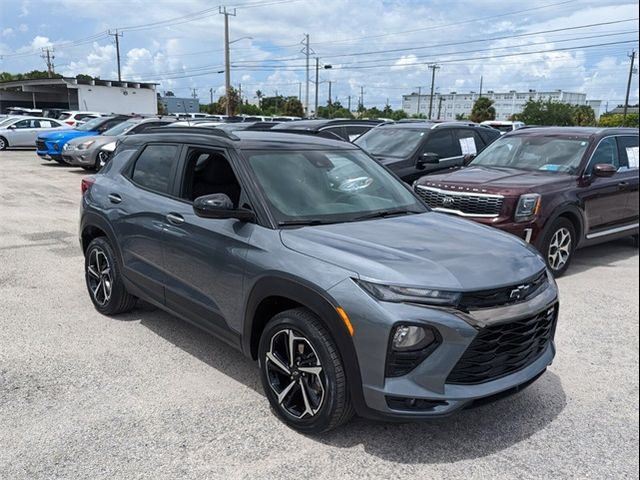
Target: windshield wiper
(302,223)
(385,214)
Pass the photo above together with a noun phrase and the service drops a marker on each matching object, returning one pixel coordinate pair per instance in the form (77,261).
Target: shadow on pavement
(603,255)
(472,433)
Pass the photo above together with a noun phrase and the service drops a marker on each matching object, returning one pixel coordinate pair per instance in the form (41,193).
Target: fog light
(412,337)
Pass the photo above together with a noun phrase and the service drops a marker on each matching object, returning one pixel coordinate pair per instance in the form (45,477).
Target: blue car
(49,145)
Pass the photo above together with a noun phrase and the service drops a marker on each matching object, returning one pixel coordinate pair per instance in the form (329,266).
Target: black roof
(313,125)
(239,139)
(573,131)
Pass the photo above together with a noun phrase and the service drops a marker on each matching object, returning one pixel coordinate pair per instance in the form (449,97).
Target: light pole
(317,82)
(227,60)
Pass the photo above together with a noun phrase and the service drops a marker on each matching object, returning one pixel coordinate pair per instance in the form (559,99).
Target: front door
(205,258)
(25,133)
(604,199)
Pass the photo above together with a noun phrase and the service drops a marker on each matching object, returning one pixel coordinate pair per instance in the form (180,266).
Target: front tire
(559,245)
(3,143)
(104,280)
(302,373)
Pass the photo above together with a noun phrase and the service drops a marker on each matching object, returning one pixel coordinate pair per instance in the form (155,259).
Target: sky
(379,48)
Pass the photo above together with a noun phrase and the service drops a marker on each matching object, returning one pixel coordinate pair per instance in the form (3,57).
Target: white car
(22,131)
(503,126)
(76,118)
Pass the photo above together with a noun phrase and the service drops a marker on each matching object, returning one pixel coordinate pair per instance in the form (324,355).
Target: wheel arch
(275,293)
(571,213)
(94,226)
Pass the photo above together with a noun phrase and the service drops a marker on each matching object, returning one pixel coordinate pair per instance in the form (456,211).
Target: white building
(447,106)
(108,96)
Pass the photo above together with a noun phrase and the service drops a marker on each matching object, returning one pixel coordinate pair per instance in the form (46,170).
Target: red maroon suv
(559,188)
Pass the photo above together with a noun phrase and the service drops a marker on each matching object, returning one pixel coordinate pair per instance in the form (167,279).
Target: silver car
(86,152)
(23,131)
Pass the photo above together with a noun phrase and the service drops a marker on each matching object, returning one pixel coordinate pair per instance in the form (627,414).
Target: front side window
(548,153)
(606,152)
(328,186)
(24,124)
(391,142)
(155,168)
(443,144)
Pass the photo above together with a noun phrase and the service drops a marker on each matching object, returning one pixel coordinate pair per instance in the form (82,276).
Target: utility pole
(194,93)
(211,96)
(480,96)
(240,92)
(626,98)
(440,100)
(418,108)
(362,96)
(307,51)
(433,83)
(330,109)
(47,55)
(227,61)
(317,85)
(300,92)
(276,97)
(117,36)
(349,103)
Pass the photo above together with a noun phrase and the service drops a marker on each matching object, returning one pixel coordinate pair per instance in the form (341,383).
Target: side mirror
(11,127)
(468,158)
(220,206)
(604,170)
(427,158)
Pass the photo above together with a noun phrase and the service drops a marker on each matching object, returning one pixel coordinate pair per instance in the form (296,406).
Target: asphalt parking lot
(145,395)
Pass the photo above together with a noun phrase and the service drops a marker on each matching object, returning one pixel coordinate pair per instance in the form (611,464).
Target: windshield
(501,128)
(544,153)
(91,125)
(7,121)
(390,142)
(120,128)
(312,187)
(64,116)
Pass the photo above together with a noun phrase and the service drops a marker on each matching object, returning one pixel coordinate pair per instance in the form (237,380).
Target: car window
(443,144)
(339,131)
(64,116)
(84,116)
(391,142)
(155,168)
(469,140)
(606,152)
(354,131)
(109,124)
(628,151)
(45,124)
(24,124)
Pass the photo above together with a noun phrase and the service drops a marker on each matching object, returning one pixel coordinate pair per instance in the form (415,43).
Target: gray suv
(313,259)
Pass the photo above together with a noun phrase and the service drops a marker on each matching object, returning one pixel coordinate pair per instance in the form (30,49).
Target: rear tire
(3,143)
(104,279)
(302,373)
(636,241)
(558,246)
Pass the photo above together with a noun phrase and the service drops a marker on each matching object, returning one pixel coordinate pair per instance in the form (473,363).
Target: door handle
(175,218)
(114,198)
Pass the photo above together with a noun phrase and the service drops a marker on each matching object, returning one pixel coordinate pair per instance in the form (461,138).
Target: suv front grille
(40,145)
(461,203)
(500,350)
(505,295)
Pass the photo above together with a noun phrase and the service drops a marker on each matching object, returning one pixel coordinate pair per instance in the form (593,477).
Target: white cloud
(7,32)
(23,27)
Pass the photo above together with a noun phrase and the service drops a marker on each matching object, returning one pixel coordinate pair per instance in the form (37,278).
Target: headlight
(393,293)
(85,145)
(528,207)
(68,146)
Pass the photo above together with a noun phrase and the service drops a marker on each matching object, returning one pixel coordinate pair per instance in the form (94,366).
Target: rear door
(140,198)
(605,199)
(628,154)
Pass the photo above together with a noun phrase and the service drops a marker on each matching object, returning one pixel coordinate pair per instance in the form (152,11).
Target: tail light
(70,122)
(86,183)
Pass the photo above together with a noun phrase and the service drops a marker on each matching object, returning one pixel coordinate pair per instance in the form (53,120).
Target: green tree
(232,99)
(169,93)
(249,109)
(398,115)
(461,117)
(259,95)
(482,110)
(584,116)
(547,112)
(617,120)
(293,107)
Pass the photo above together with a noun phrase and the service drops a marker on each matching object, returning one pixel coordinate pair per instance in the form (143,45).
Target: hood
(98,140)
(424,250)
(506,181)
(64,135)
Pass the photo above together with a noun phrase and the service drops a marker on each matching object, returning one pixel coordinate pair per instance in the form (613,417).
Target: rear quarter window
(155,168)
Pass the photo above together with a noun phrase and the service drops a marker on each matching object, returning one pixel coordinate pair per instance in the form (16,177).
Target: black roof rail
(194,130)
(315,133)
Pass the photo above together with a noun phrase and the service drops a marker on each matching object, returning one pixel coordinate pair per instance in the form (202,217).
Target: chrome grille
(461,203)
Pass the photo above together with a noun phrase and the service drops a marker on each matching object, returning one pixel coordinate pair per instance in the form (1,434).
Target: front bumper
(427,383)
(78,157)
(528,231)
(48,150)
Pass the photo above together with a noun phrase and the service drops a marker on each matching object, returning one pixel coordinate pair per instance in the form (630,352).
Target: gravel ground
(147,396)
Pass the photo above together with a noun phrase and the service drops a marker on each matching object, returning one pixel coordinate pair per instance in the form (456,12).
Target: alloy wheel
(295,374)
(99,276)
(559,248)
(3,145)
